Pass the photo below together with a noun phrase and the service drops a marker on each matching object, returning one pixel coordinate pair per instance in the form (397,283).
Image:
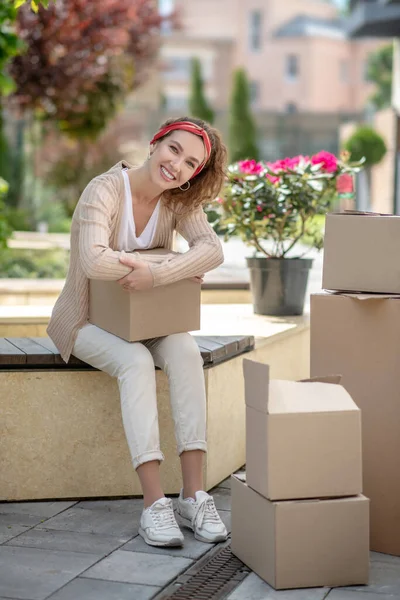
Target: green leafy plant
(380,73)
(273,206)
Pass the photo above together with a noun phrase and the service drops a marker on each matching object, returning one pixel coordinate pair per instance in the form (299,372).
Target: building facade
(297,53)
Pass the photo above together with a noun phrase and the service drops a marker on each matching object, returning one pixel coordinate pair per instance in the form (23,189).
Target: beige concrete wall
(62,435)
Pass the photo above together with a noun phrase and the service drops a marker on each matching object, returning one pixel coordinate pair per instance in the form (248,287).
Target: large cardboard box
(140,315)
(361,253)
(303,439)
(359,337)
(302,543)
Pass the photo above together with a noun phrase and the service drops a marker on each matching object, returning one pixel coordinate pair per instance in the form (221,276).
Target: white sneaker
(158,526)
(201,516)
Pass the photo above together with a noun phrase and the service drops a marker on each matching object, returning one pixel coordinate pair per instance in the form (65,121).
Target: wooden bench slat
(35,353)
(236,342)
(48,344)
(41,352)
(10,354)
(216,349)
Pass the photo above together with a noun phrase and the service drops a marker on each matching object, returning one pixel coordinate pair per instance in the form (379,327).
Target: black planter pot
(278,285)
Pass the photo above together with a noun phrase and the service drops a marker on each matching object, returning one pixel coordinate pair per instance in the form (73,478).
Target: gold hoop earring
(186,188)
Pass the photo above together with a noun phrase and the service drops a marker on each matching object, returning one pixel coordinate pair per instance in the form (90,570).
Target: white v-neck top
(127,239)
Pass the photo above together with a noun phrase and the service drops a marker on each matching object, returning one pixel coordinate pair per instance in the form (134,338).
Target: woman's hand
(140,278)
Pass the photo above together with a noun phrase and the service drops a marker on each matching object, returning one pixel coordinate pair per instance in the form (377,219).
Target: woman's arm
(204,254)
(96,207)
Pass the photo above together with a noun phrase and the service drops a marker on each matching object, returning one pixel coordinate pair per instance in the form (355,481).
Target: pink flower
(259,208)
(272,178)
(220,200)
(328,161)
(250,167)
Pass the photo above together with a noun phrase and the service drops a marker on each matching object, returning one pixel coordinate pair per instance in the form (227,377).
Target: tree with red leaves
(82,57)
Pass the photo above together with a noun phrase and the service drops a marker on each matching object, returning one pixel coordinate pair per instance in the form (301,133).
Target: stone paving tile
(41,509)
(95,589)
(341,594)
(254,588)
(24,520)
(222,498)
(131,505)
(31,573)
(192,548)
(138,567)
(95,521)
(384,576)
(13,524)
(73,541)
(7,532)
(226,484)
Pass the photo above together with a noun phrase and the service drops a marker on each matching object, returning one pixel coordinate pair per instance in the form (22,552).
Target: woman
(129,209)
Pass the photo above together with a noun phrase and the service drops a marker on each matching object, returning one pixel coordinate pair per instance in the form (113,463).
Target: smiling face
(176,158)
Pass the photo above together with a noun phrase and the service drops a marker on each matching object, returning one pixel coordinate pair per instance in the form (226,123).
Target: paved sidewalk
(91,550)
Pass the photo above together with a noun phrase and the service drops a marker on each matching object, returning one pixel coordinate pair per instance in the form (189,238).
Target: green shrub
(34,264)
(366,143)
(5,228)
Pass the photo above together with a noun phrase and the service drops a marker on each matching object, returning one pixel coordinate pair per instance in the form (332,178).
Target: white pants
(132,363)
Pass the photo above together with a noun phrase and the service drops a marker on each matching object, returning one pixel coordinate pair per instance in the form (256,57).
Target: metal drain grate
(210,579)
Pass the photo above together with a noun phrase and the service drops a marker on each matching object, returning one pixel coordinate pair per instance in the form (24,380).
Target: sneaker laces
(163,515)
(206,513)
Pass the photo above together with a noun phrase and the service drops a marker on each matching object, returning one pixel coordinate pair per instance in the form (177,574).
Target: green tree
(197,101)
(379,72)
(365,143)
(242,129)
(10,46)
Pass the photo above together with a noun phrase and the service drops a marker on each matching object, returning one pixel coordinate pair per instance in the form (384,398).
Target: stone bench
(62,430)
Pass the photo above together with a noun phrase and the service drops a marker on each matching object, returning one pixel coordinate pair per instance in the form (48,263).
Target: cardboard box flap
(154,255)
(336,379)
(286,397)
(256,384)
(360,213)
(361,296)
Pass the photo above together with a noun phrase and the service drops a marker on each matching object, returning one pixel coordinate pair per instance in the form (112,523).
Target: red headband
(191,128)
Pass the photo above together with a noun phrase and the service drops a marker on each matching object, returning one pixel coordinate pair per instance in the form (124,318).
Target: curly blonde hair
(205,186)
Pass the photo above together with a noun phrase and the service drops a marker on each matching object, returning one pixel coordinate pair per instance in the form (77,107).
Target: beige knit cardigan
(94,235)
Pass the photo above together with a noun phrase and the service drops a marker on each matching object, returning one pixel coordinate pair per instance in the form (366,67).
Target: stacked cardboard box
(299,519)
(355,331)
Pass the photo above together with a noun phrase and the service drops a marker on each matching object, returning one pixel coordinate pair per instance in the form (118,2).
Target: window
(291,108)
(344,71)
(175,103)
(178,67)
(254,87)
(255,29)
(292,67)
